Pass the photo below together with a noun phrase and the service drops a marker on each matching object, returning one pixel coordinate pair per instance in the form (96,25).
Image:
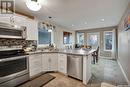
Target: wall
(103,54)
(124,46)
(58,36)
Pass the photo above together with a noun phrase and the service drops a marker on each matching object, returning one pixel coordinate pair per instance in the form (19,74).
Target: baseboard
(123,72)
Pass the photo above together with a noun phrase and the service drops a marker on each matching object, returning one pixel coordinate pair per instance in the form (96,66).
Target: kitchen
(45,49)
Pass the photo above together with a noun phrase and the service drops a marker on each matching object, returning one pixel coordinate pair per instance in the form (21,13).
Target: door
(93,39)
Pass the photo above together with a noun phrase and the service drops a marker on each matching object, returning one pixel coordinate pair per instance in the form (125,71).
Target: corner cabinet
(49,62)
(35,64)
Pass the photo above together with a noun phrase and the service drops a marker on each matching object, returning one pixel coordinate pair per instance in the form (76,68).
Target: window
(80,38)
(108,40)
(93,39)
(67,37)
(44,37)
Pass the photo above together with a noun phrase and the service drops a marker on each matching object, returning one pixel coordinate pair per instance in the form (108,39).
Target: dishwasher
(75,66)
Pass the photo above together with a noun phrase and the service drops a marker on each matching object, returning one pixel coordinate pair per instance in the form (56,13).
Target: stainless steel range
(13,67)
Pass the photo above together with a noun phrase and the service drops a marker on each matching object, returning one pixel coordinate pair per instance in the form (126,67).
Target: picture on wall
(127,23)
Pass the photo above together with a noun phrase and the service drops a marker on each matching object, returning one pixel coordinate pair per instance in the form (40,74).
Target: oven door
(14,67)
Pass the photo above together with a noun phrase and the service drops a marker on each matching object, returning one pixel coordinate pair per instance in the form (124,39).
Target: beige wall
(58,36)
(104,54)
(124,46)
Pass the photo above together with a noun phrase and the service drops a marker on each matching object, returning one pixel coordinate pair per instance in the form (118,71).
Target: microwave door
(11,33)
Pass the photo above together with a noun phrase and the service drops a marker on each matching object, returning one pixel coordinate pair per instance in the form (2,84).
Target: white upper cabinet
(31,26)
(32,29)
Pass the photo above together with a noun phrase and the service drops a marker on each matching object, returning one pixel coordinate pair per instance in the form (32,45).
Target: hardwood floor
(64,81)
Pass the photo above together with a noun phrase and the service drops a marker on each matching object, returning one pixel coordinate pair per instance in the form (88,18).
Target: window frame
(45,45)
(104,41)
(78,42)
(70,38)
(94,33)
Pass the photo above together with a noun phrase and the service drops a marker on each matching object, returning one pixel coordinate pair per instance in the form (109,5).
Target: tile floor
(107,71)
(104,71)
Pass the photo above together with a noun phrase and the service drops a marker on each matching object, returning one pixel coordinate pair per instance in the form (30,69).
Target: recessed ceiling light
(85,22)
(102,20)
(72,25)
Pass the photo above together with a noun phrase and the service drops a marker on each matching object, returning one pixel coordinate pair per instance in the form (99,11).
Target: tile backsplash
(16,42)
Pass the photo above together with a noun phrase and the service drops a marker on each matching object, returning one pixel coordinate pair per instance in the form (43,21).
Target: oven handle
(12,58)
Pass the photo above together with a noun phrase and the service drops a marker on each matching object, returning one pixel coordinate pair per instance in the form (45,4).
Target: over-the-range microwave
(12,31)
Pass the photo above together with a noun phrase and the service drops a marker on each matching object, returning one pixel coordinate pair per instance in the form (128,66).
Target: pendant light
(33,5)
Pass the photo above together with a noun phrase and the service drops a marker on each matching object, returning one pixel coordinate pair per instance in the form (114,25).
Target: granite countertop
(66,51)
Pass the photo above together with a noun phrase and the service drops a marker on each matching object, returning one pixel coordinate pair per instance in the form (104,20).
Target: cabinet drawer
(62,55)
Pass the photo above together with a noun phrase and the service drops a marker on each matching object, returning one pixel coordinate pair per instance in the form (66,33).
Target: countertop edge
(90,52)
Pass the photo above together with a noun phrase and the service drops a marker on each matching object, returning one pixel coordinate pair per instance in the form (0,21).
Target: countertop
(66,51)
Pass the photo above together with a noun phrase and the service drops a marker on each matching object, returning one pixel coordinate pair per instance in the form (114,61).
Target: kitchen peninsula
(57,60)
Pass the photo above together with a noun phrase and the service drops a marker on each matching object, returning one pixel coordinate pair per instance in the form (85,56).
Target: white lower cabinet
(49,62)
(35,64)
(87,69)
(62,63)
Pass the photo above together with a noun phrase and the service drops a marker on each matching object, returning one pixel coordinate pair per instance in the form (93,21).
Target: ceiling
(79,14)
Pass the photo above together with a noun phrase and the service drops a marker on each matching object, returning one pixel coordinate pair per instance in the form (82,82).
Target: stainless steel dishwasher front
(75,66)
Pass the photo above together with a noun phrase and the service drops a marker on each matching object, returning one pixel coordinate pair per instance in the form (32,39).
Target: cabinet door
(35,64)
(89,66)
(45,62)
(30,24)
(32,29)
(54,61)
(62,63)
(20,20)
(5,18)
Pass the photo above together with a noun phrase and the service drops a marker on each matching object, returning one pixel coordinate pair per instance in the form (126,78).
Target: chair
(95,55)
